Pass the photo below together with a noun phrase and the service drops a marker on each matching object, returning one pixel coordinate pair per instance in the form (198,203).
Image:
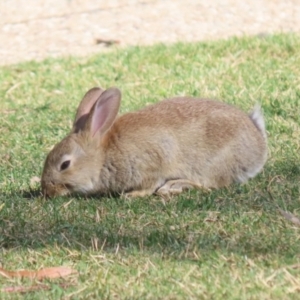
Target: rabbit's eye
(65,165)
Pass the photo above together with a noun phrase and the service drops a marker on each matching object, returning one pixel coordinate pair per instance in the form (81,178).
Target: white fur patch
(258,119)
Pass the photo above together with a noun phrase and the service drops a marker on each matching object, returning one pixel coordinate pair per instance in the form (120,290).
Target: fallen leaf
(49,273)
(106,42)
(290,217)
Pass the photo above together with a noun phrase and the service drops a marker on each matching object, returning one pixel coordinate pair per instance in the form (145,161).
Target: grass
(227,244)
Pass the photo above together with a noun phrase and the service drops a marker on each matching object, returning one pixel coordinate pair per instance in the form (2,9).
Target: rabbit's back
(202,140)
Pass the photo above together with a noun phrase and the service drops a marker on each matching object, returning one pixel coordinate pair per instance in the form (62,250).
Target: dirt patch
(35,29)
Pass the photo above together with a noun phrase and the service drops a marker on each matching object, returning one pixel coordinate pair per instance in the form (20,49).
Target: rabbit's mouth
(50,190)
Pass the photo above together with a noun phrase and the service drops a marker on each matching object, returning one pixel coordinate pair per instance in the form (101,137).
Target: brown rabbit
(176,144)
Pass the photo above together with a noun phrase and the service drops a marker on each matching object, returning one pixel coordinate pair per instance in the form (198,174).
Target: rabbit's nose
(48,189)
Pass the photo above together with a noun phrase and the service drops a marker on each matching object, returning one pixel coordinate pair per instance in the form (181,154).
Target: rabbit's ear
(85,107)
(104,112)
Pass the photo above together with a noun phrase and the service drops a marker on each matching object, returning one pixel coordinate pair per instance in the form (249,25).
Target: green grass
(225,244)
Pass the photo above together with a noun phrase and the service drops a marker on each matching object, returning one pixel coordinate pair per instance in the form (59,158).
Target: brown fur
(191,142)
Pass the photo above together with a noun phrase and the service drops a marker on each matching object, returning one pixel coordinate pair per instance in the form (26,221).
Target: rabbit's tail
(258,119)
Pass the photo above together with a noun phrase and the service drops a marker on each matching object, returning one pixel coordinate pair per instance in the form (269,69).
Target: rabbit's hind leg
(173,187)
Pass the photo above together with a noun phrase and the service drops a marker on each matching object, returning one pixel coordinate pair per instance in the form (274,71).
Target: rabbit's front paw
(137,193)
(173,187)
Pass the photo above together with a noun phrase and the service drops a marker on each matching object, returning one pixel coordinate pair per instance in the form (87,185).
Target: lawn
(225,244)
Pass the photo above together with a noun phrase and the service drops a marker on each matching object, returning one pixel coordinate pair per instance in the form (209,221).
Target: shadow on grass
(241,219)
(172,229)
(31,194)
(168,240)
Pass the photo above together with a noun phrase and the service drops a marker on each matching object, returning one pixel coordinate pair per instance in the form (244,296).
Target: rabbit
(176,144)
